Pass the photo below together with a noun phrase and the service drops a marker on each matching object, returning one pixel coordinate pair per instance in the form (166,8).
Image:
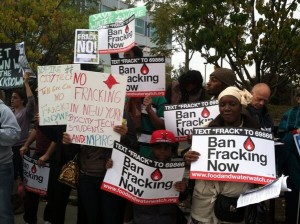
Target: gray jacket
(9,133)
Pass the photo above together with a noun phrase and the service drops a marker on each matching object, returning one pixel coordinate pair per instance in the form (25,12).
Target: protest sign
(269,191)
(297,142)
(23,60)
(233,154)
(86,46)
(35,177)
(104,18)
(97,104)
(142,180)
(189,115)
(117,37)
(11,75)
(145,76)
(54,89)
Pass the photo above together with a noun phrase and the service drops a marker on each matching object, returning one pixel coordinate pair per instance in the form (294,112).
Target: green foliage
(170,26)
(261,34)
(46,26)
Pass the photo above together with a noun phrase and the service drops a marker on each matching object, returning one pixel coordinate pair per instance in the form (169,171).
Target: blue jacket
(289,159)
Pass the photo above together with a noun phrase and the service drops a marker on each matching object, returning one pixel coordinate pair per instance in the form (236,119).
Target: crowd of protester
(145,122)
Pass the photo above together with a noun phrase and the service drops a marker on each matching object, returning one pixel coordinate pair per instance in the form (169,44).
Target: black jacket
(262,116)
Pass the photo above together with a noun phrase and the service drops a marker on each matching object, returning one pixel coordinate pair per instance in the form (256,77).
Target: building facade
(143,30)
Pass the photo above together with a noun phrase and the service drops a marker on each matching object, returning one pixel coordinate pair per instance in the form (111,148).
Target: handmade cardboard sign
(96,106)
(142,180)
(182,118)
(145,76)
(54,89)
(233,154)
(35,177)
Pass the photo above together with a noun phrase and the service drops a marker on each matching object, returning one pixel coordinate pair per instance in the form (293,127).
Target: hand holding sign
(26,78)
(42,160)
(180,186)
(66,138)
(147,101)
(109,164)
(191,156)
(121,129)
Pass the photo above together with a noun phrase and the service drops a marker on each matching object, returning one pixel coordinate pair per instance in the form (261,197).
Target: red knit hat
(162,136)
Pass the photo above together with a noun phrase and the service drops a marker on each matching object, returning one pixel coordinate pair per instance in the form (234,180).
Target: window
(139,26)
(152,31)
(105,9)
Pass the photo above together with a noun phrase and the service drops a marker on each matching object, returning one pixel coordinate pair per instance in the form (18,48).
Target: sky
(196,63)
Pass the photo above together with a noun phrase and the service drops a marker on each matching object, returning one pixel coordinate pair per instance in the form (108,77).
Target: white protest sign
(86,46)
(117,37)
(269,191)
(100,19)
(54,88)
(233,154)
(35,177)
(142,180)
(145,76)
(97,104)
(189,115)
(297,142)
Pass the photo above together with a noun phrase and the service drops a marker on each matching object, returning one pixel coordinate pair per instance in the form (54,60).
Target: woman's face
(230,110)
(16,100)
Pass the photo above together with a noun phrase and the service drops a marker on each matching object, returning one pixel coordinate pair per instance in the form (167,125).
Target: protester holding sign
(43,151)
(147,113)
(163,143)
(94,204)
(289,161)
(24,112)
(58,192)
(9,134)
(187,89)
(205,191)
(219,80)
(23,107)
(258,109)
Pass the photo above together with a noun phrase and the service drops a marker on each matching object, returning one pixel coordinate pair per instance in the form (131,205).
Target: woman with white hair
(231,101)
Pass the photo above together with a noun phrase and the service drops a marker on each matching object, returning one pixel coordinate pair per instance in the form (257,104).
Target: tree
(248,33)
(47,27)
(170,26)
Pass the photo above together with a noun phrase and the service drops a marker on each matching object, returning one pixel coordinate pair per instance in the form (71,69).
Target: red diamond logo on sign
(110,81)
